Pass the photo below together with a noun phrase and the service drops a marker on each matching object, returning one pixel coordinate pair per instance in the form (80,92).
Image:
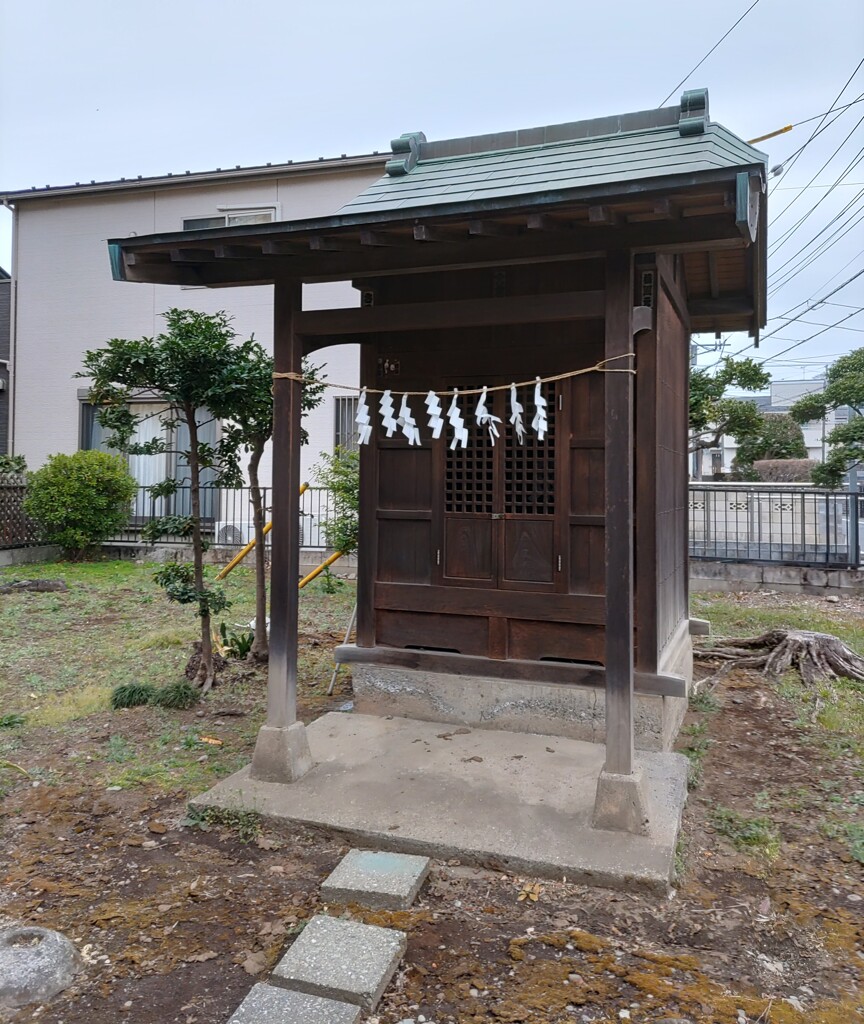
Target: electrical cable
(790,161)
(795,199)
(708,54)
(824,246)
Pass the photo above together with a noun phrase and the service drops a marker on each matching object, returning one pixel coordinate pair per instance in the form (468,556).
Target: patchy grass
(747,834)
(63,653)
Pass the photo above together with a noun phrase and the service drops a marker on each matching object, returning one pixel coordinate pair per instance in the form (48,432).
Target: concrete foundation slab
(377,879)
(267,1004)
(548,709)
(505,800)
(342,960)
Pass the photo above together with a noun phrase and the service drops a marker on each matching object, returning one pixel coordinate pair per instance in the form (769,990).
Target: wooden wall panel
(529,550)
(462,634)
(405,478)
(404,551)
(587,482)
(587,560)
(535,641)
(468,551)
(672,525)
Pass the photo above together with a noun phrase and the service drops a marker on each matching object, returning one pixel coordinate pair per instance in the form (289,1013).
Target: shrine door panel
(500,501)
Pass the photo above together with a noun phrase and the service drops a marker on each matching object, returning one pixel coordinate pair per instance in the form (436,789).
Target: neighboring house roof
(218,175)
(5,275)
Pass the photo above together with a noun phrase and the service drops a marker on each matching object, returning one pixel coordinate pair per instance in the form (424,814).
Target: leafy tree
(251,426)
(193,367)
(340,473)
(844,385)
(712,414)
(81,499)
(778,436)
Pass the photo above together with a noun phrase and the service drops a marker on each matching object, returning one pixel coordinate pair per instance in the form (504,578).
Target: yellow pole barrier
(317,572)
(238,558)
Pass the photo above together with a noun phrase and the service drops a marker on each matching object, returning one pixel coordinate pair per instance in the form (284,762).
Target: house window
(345,429)
(155,421)
(229,218)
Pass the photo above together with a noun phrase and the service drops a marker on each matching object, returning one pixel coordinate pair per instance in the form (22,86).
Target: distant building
(718,461)
(65,301)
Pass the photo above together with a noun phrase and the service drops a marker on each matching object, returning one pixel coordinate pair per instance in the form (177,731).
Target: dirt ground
(177,918)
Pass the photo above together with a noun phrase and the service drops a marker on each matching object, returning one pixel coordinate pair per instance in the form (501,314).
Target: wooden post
(620,801)
(282,751)
(619,515)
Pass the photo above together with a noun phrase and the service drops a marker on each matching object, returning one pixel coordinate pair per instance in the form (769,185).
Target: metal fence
(16,530)
(226,515)
(789,524)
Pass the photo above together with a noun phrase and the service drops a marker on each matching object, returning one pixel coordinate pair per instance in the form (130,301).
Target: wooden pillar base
(620,804)
(281,753)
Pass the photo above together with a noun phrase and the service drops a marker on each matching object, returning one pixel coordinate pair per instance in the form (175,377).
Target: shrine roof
(582,155)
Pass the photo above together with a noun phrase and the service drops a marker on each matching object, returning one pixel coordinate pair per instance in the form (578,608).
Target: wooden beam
(384,238)
(429,233)
(414,316)
(492,229)
(287,358)
(544,672)
(192,256)
(714,283)
(238,252)
(601,216)
(333,243)
(619,515)
(270,248)
(729,305)
(546,222)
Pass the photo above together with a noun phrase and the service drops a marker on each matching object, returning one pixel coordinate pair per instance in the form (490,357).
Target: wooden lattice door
(499,524)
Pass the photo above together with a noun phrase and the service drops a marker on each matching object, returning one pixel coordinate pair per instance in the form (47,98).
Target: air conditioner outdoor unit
(234,534)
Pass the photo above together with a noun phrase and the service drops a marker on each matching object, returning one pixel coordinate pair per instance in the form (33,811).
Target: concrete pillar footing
(281,753)
(620,804)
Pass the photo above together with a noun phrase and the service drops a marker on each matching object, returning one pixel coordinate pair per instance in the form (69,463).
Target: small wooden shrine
(524,558)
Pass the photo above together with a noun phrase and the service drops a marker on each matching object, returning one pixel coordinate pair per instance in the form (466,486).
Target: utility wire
(790,161)
(783,352)
(708,54)
(824,246)
(795,199)
(792,319)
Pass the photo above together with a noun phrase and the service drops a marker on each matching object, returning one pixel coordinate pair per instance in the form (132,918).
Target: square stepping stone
(383,881)
(267,1004)
(341,960)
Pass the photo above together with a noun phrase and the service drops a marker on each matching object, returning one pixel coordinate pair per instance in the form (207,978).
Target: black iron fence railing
(788,524)
(227,516)
(784,524)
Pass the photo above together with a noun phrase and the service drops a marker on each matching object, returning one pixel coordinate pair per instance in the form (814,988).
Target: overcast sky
(99,89)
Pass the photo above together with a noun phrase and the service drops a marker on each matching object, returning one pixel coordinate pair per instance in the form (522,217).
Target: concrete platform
(510,801)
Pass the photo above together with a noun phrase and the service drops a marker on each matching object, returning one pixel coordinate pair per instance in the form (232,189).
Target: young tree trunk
(204,676)
(260,650)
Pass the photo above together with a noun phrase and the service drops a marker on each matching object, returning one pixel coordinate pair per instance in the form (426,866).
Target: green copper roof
(685,146)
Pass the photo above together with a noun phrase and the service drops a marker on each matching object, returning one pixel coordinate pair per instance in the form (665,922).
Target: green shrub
(79,500)
(176,696)
(132,695)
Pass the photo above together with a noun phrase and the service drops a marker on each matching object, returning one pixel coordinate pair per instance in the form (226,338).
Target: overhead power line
(708,54)
(807,120)
(790,161)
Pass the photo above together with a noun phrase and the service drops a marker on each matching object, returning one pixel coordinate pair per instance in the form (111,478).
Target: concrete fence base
(737,576)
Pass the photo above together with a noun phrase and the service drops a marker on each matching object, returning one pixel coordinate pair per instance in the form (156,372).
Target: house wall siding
(5,325)
(67,301)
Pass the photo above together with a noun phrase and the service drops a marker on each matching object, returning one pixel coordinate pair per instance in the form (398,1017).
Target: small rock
(853,897)
(35,964)
(199,714)
(474,993)
(833,599)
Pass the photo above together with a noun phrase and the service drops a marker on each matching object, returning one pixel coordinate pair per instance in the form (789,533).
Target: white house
(64,306)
